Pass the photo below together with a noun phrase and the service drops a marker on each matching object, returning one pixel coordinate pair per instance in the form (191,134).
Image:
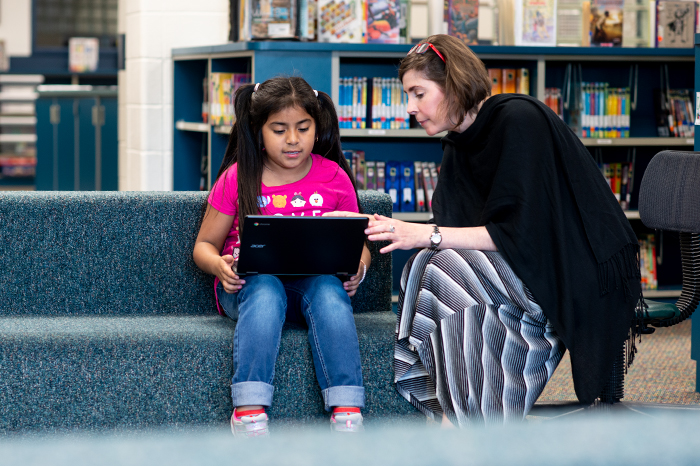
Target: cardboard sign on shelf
(83,54)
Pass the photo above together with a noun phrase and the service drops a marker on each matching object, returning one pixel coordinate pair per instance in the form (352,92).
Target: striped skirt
(471,342)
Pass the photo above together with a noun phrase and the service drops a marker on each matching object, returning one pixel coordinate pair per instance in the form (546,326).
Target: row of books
(674,113)
(606,111)
(509,81)
(17,166)
(219,90)
(596,23)
(357,21)
(647,261)
(372,103)
(620,178)
(409,183)
(553,100)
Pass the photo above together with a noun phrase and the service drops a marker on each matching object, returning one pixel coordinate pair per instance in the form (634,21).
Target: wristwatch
(435,238)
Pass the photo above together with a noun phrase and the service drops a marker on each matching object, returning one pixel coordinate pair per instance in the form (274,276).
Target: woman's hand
(354,282)
(403,235)
(231,282)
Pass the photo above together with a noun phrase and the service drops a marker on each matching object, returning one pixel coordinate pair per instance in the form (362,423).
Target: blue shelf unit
(323,64)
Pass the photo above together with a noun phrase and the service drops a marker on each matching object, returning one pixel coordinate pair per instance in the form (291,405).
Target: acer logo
(258,246)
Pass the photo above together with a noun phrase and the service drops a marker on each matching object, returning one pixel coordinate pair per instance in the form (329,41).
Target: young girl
(283,158)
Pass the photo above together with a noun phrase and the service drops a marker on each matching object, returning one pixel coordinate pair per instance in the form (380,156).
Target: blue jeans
(319,303)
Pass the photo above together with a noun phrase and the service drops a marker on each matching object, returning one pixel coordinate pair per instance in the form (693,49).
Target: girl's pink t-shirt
(324,189)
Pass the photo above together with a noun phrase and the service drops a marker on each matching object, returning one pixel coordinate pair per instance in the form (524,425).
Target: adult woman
(530,252)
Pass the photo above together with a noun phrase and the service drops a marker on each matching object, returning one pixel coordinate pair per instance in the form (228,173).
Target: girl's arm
(415,235)
(210,240)
(354,282)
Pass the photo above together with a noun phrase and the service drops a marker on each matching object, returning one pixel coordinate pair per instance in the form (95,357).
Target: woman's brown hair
(462,77)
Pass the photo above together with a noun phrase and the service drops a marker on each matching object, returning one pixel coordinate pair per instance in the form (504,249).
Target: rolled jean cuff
(251,394)
(344,395)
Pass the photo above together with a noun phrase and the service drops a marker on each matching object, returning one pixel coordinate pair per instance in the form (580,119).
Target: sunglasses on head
(421,49)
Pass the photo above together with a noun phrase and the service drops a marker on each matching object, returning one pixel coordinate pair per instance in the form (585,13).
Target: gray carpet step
(95,373)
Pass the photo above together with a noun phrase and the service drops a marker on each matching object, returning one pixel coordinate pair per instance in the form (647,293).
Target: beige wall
(16,27)
(153,28)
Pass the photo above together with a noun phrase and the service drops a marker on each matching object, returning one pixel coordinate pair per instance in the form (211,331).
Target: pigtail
(328,132)
(248,147)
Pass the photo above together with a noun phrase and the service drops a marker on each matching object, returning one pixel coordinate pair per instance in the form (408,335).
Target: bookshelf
(18,131)
(323,64)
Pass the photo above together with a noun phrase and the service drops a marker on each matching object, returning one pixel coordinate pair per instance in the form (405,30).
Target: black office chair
(669,199)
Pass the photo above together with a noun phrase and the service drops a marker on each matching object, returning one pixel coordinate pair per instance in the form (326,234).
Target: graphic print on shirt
(279,201)
(263,201)
(316,199)
(298,200)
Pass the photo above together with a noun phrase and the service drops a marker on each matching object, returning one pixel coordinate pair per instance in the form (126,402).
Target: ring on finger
(392,229)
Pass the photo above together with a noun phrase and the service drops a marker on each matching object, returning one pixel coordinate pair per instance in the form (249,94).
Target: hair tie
(316,92)
(257,85)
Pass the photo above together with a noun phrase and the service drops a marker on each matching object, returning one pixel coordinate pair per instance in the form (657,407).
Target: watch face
(435,238)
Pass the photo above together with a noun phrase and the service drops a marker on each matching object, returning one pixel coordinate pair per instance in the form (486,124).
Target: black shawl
(522,173)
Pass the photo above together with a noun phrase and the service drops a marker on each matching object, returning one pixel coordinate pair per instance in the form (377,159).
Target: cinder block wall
(153,28)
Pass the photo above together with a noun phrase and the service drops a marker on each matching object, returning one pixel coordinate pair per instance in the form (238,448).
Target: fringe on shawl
(619,269)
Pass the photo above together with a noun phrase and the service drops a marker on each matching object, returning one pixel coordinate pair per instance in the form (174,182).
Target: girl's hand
(354,282)
(231,282)
(403,235)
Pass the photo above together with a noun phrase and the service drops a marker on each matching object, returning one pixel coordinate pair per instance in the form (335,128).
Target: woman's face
(425,99)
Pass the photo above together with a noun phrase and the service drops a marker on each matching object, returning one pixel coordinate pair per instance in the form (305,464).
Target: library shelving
(18,130)
(199,147)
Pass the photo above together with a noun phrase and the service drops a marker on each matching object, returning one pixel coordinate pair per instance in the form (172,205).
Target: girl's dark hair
(462,77)
(245,143)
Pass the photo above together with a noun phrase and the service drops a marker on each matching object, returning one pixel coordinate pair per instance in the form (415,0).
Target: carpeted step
(103,372)
(125,254)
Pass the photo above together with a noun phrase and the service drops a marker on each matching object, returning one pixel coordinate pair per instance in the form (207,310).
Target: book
(606,23)
(433,174)
(371,174)
(420,190)
(222,89)
(273,19)
(381,176)
(341,21)
(535,22)
(522,81)
(408,200)
(662,113)
(506,22)
(383,19)
(496,76)
(404,21)
(393,184)
(675,24)
(428,186)
(570,23)
(463,20)
(508,81)
(306,19)
(637,31)
(487,27)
